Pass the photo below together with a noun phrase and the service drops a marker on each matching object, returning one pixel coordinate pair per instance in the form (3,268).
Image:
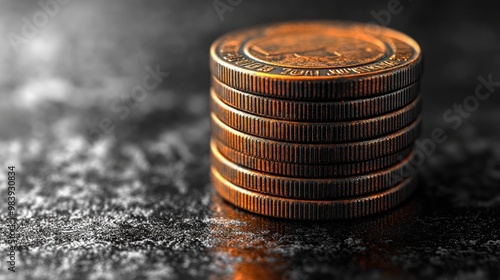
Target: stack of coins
(315,120)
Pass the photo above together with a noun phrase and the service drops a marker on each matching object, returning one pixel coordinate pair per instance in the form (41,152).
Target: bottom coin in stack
(298,209)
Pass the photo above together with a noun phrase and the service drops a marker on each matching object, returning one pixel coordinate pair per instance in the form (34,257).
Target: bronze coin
(299,209)
(316,60)
(307,188)
(305,153)
(315,132)
(294,110)
(310,171)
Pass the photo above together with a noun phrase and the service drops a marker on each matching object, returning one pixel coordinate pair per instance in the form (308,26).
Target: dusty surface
(143,208)
(136,203)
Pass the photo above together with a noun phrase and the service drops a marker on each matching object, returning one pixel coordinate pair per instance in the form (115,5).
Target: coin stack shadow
(314,120)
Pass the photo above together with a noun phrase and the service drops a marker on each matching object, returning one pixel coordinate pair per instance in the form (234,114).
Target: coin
(314,132)
(317,60)
(298,209)
(307,188)
(310,171)
(292,110)
(305,153)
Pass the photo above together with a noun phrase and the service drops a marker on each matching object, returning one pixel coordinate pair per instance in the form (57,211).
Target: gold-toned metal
(320,111)
(300,209)
(311,171)
(311,188)
(315,132)
(305,153)
(316,60)
(315,120)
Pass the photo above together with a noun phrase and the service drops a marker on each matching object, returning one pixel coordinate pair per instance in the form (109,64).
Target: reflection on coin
(318,60)
(315,153)
(299,209)
(314,132)
(307,170)
(293,110)
(307,188)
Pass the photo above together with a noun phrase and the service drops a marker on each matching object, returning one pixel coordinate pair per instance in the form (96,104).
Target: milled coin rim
(386,31)
(305,153)
(310,171)
(299,209)
(310,111)
(337,87)
(315,132)
(311,188)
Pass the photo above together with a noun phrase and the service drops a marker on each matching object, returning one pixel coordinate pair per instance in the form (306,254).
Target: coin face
(314,49)
(337,60)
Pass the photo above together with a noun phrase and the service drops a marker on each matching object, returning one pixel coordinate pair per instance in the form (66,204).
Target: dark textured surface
(137,203)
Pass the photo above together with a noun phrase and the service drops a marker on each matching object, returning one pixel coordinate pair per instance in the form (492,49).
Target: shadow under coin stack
(315,120)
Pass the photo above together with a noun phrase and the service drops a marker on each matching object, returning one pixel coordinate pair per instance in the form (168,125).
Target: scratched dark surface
(136,203)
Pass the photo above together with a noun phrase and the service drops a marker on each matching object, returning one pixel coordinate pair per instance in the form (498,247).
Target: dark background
(136,203)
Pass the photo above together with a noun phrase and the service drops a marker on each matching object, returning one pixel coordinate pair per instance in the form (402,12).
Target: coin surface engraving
(321,60)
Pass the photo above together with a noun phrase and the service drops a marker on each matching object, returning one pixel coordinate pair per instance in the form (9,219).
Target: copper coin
(310,171)
(305,153)
(315,132)
(307,188)
(293,110)
(316,60)
(299,209)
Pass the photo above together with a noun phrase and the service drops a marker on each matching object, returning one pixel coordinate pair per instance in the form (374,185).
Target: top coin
(319,60)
